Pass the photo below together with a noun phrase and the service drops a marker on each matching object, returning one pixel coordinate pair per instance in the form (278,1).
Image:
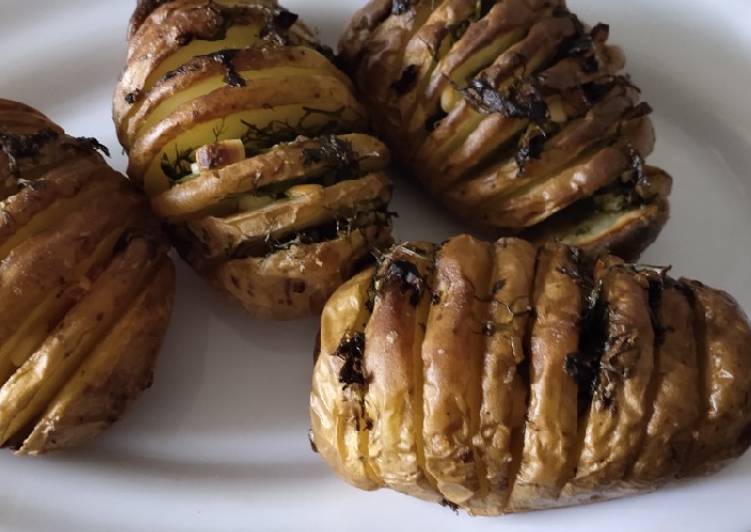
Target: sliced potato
(550,438)
(114,374)
(452,357)
(392,362)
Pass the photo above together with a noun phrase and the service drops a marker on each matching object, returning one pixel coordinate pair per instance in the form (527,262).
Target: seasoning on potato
(508,377)
(249,142)
(86,286)
(514,114)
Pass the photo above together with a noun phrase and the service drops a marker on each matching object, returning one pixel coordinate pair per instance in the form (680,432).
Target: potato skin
(547,378)
(514,115)
(201,73)
(86,287)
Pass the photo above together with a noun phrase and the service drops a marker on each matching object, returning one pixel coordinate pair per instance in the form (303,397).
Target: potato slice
(452,359)
(675,409)
(205,74)
(614,427)
(284,163)
(118,370)
(296,282)
(393,364)
(24,397)
(550,437)
(221,237)
(724,343)
(337,414)
(227,113)
(504,391)
(36,208)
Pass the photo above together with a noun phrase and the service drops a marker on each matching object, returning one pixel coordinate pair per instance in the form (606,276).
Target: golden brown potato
(85,287)
(506,377)
(246,137)
(515,115)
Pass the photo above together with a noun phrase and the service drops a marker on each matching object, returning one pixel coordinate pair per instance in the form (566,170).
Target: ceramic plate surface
(220,442)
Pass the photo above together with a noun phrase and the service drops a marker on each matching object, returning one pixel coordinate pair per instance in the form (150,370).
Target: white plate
(220,442)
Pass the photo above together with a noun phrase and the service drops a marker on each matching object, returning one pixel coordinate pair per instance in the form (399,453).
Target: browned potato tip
(511,377)
(515,115)
(247,138)
(86,286)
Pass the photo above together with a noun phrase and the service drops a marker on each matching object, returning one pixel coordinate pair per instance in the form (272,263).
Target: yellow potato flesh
(234,126)
(237,37)
(483,58)
(349,316)
(53,215)
(599,223)
(204,87)
(16,351)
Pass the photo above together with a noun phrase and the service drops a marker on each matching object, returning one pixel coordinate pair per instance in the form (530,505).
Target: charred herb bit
(90,143)
(638,176)
(522,100)
(312,441)
(334,153)
(179,167)
(231,77)
(278,25)
(257,139)
(450,505)
(583,366)
(406,81)
(399,7)
(406,276)
(18,147)
(532,144)
(133,96)
(351,350)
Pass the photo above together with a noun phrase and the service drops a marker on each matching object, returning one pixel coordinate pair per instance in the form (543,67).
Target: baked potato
(248,140)
(86,286)
(515,115)
(511,377)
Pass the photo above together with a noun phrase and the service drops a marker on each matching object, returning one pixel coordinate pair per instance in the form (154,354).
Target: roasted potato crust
(504,377)
(513,114)
(281,226)
(82,264)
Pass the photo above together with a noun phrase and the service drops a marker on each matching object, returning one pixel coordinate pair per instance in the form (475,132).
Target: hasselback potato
(86,286)
(247,138)
(514,114)
(507,377)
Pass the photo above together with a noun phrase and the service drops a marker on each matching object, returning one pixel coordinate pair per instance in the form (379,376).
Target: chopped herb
(133,96)
(278,25)
(90,143)
(351,350)
(450,505)
(334,153)
(406,277)
(179,167)
(231,77)
(522,100)
(399,7)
